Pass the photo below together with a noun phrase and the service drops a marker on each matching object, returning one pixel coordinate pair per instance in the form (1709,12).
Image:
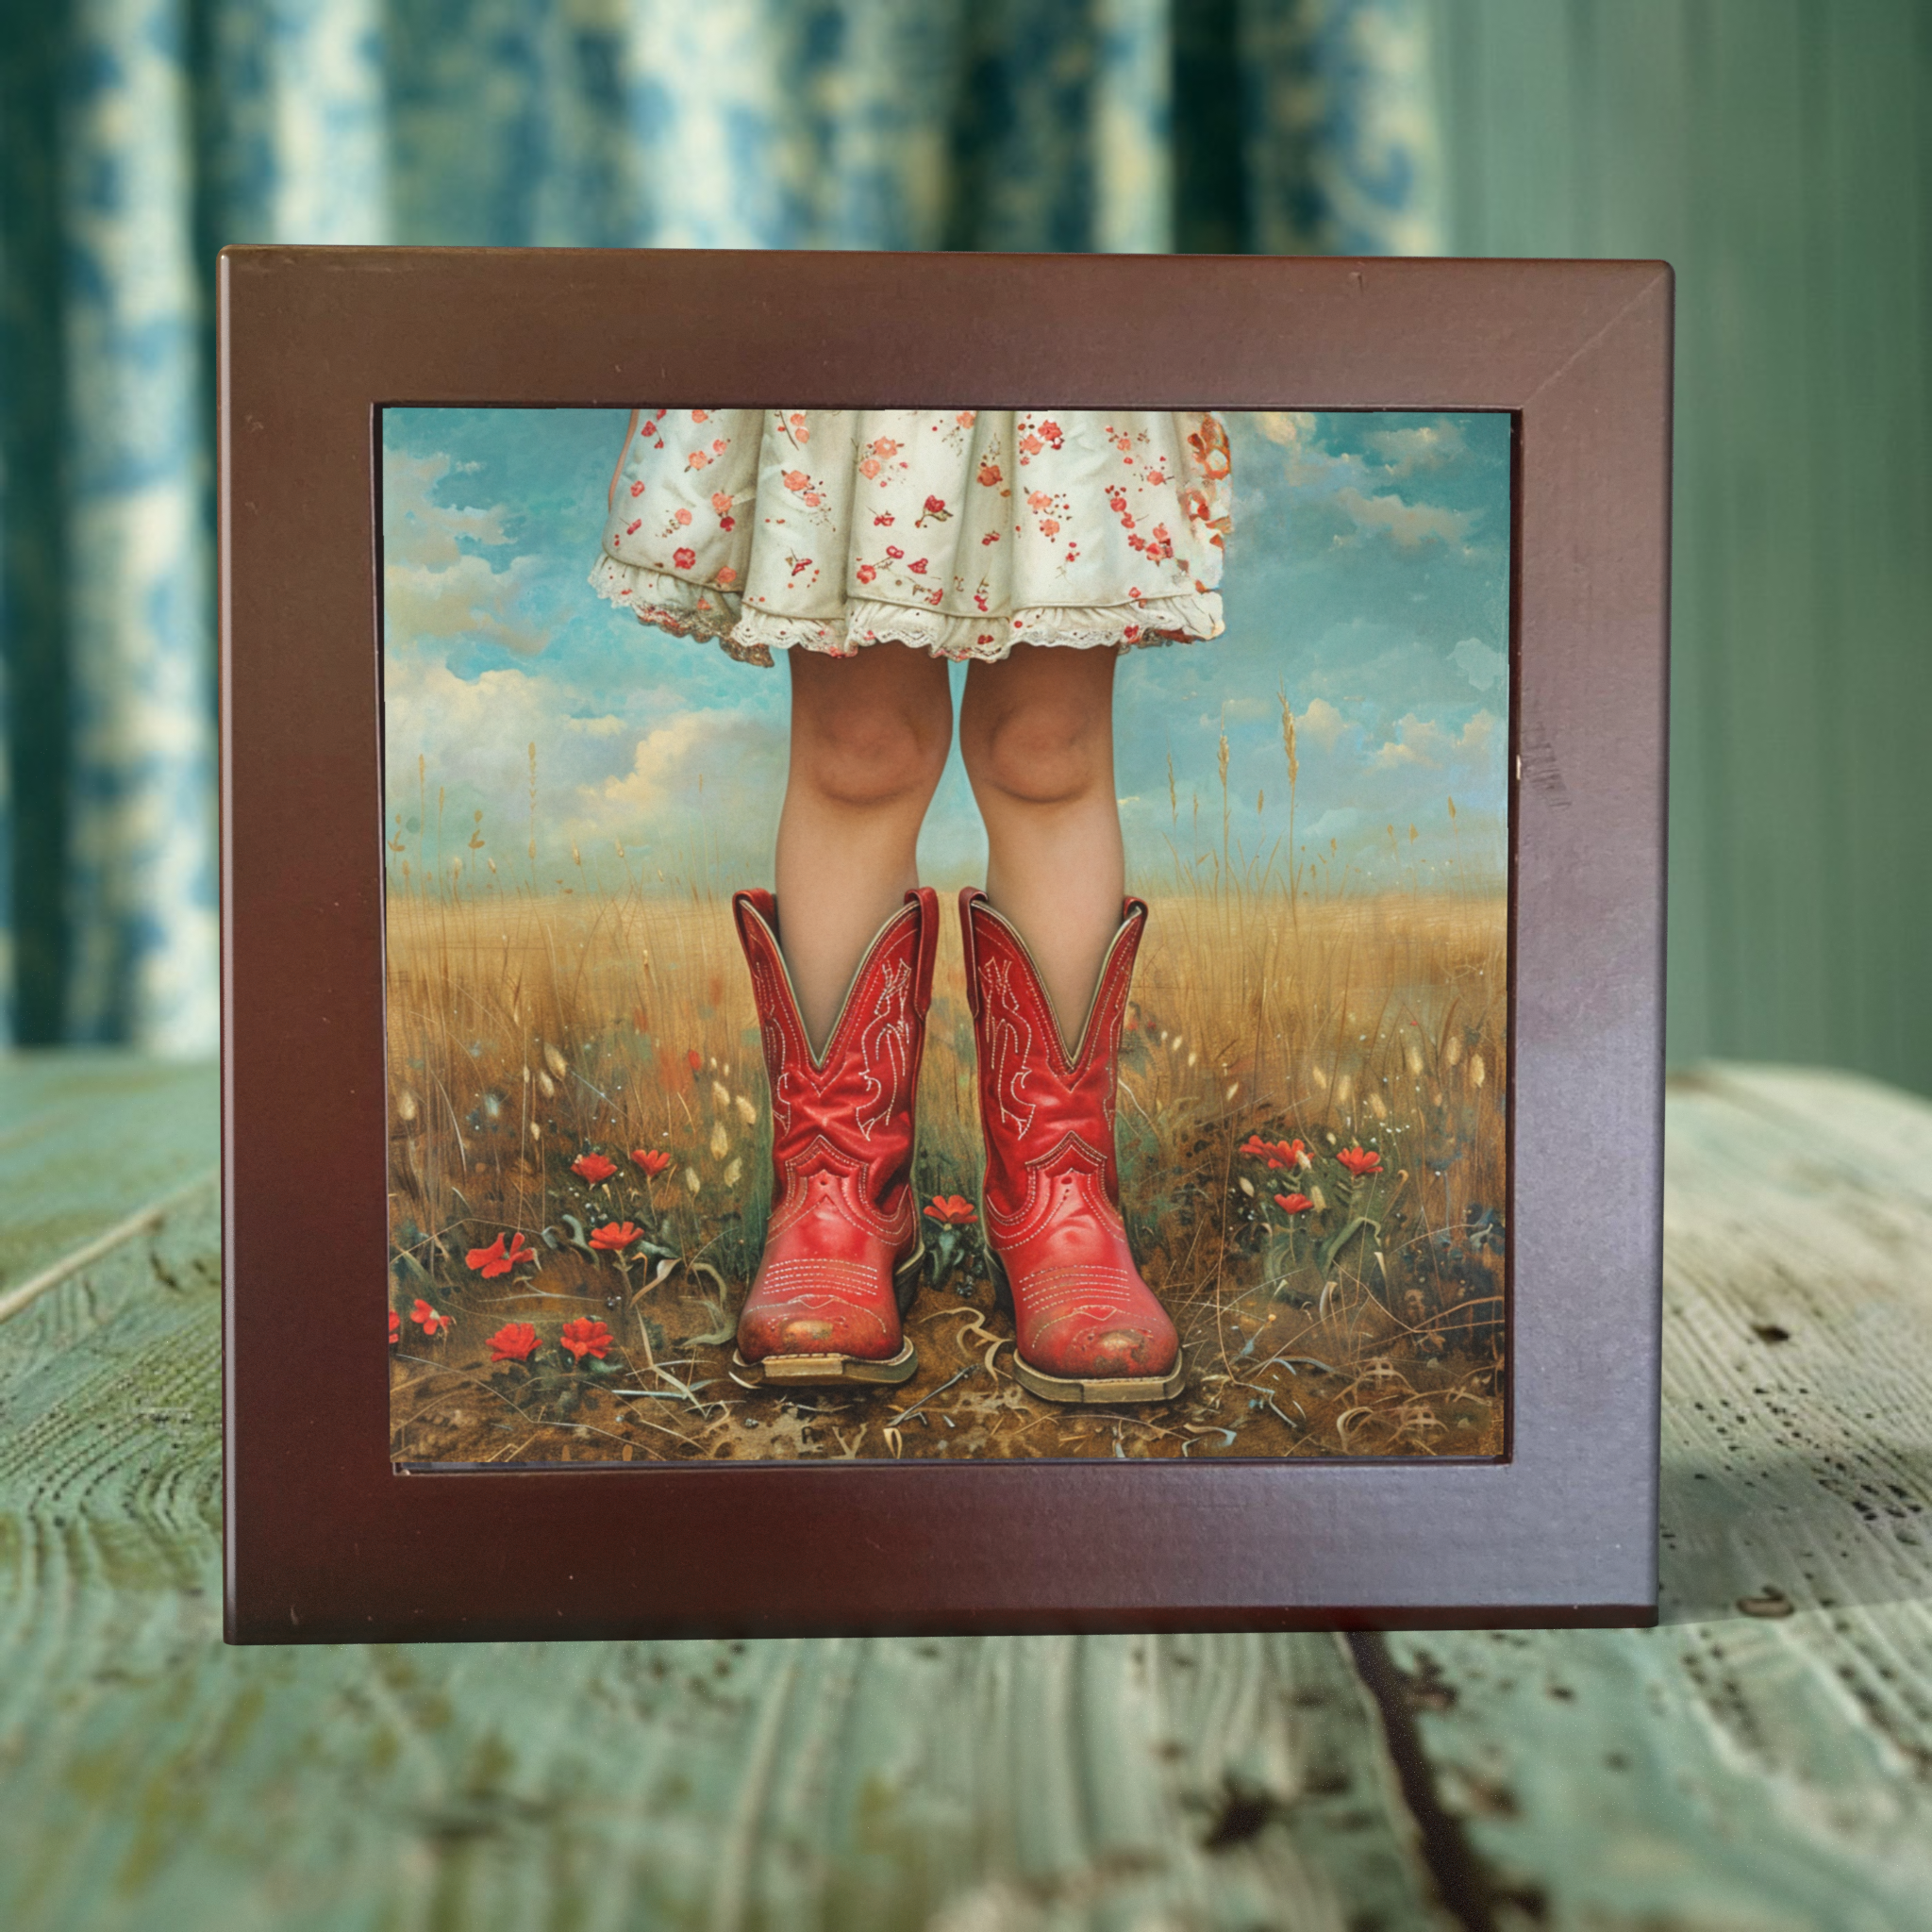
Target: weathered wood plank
(1729,1770)
(1764,1760)
(85,1138)
(148,1777)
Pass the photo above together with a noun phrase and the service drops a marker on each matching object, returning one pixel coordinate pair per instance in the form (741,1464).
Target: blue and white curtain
(137,137)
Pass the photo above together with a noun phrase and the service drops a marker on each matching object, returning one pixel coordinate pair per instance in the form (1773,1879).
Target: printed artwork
(1231,1182)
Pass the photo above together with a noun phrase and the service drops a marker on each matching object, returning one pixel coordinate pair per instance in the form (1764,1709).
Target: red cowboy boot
(1089,1327)
(842,1246)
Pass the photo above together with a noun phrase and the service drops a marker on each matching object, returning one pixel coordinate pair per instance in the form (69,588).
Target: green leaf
(1335,1243)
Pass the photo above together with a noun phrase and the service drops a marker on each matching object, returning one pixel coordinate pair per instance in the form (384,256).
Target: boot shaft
(1039,1095)
(856,1098)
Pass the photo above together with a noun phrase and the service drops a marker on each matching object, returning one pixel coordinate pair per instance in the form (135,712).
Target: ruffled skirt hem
(689,608)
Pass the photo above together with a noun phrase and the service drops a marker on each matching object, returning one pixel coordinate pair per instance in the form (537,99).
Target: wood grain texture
(1764,1760)
(1739,1768)
(150,1776)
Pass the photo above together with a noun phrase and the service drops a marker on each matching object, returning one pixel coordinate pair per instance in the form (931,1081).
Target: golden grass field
(526,1031)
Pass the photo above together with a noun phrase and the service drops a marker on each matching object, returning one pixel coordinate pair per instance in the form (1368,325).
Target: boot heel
(1002,1287)
(906,1279)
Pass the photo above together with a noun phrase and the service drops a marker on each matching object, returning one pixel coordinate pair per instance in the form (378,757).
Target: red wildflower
(1359,1161)
(1277,1154)
(1294,1203)
(593,1168)
(515,1341)
(614,1236)
(693,1059)
(955,1210)
(584,1337)
(650,1161)
(427,1319)
(395,1328)
(497,1259)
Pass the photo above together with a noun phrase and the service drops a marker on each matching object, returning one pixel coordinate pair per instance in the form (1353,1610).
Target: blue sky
(1367,576)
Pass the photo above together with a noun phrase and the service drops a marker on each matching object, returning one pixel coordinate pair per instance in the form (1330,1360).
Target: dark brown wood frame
(326,1542)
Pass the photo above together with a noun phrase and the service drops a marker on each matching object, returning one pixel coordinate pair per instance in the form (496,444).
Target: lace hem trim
(689,609)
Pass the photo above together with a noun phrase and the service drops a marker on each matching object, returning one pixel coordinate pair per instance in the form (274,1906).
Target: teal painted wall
(1780,154)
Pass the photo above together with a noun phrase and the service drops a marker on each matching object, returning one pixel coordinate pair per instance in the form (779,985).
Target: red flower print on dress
(893,551)
(726,576)
(935,509)
(631,530)
(794,479)
(989,473)
(701,415)
(1051,430)
(966,418)
(722,500)
(883,521)
(1049,526)
(515,1341)
(1031,444)
(614,1236)
(595,1168)
(651,1160)
(585,1337)
(865,573)
(918,567)
(685,559)
(637,488)
(869,468)
(680,516)
(1359,1161)
(954,1210)
(1294,1203)
(499,1257)
(727,523)
(699,460)
(1209,446)
(427,1319)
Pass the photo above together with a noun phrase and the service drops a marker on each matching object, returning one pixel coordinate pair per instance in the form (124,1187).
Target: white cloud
(595,727)
(1289,427)
(1428,446)
(466,598)
(739,756)
(1419,741)
(1322,721)
(1409,524)
(415,528)
(431,586)
(1481,663)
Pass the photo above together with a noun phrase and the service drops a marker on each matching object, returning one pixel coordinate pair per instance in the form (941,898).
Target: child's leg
(869,740)
(1037,733)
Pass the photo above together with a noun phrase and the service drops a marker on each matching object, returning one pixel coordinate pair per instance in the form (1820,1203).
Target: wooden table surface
(1761,1761)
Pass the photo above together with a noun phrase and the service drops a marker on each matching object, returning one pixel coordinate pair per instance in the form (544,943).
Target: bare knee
(870,758)
(1042,754)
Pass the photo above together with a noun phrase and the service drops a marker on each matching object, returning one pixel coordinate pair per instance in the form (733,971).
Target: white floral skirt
(961,531)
